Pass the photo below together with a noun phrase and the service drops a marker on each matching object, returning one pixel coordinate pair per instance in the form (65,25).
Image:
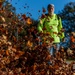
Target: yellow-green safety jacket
(52,25)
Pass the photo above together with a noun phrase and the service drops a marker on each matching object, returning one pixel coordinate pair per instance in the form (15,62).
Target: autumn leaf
(51,40)
(0,4)
(44,10)
(10,15)
(14,22)
(47,33)
(42,72)
(34,67)
(48,57)
(72,39)
(43,16)
(16,57)
(7,52)
(24,17)
(2,19)
(55,67)
(28,21)
(29,43)
(14,38)
(20,53)
(4,37)
(37,39)
(19,29)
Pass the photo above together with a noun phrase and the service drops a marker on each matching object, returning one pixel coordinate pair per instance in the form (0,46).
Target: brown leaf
(42,72)
(0,3)
(44,10)
(43,16)
(14,38)
(24,17)
(48,57)
(10,15)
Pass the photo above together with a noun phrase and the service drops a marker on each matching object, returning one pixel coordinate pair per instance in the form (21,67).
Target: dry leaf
(28,21)
(2,19)
(29,43)
(7,52)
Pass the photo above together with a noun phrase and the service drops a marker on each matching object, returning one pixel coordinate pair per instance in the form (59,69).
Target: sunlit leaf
(29,21)
(2,19)
(29,44)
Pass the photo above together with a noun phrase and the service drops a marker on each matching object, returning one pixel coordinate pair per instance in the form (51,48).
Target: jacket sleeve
(40,25)
(61,35)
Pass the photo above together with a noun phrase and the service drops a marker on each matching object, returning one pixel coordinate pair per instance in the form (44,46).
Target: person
(51,23)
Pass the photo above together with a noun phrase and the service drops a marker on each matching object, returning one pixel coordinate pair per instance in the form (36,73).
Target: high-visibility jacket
(52,25)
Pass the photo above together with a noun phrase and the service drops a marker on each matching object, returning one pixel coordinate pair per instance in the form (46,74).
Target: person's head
(50,9)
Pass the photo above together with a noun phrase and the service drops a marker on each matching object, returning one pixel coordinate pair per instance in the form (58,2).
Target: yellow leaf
(4,37)
(2,19)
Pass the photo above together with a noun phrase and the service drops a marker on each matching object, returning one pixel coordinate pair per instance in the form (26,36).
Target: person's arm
(40,25)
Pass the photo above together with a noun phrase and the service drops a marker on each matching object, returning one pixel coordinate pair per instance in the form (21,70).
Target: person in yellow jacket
(52,24)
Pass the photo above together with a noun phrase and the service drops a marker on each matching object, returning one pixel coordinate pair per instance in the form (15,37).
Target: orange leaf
(56,67)
(29,21)
(34,67)
(29,44)
(14,38)
(72,39)
(48,57)
(16,57)
(20,53)
(7,52)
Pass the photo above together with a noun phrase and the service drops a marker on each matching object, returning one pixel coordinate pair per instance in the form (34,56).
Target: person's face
(51,10)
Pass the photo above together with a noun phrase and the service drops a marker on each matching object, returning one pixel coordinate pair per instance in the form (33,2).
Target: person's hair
(50,5)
